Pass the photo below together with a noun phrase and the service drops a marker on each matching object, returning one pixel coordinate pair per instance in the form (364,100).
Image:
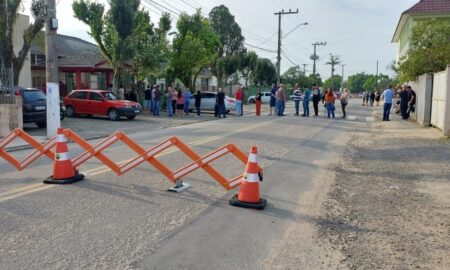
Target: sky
(359,31)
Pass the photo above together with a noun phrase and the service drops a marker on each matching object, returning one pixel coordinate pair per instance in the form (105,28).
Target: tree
(194,47)
(9,11)
(356,82)
(332,82)
(429,51)
(231,45)
(112,31)
(294,75)
(315,79)
(265,72)
(247,65)
(150,47)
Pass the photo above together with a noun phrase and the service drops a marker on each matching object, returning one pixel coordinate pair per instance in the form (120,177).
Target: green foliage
(247,64)
(362,81)
(293,76)
(194,47)
(231,45)
(333,82)
(126,36)
(315,79)
(265,73)
(429,51)
(9,10)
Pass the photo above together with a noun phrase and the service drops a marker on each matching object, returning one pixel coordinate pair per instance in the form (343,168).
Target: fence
(7,95)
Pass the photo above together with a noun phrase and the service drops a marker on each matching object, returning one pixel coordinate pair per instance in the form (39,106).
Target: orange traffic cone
(63,171)
(248,195)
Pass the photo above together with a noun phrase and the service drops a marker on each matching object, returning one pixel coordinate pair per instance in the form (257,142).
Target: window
(210,95)
(95,96)
(109,96)
(79,95)
(205,84)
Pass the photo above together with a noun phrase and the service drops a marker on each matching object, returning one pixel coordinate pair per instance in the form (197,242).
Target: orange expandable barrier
(142,155)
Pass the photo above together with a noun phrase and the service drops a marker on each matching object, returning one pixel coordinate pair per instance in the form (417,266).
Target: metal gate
(439,98)
(7,95)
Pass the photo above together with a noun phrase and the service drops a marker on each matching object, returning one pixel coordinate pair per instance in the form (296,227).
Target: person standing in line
(377,97)
(273,99)
(198,102)
(148,98)
(152,110)
(174,98)
(187,99)
(221,104)
(329,100)
(387,95)
(281,100)
(258,103)
(404,102)
(131,96)
(344,101)
(180,102)
(364,96)
(306,98)
(238,103)
(110,88)
(169,101)
(297,96)
(412,100)
(372,98)
(316,99)
(157,99)
(121,93)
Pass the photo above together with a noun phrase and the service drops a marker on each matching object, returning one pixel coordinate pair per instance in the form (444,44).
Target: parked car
(100,102)
(34,106)
(209,101)
(265,98)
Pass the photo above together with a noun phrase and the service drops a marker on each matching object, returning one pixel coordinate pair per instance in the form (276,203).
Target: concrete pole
(51,53)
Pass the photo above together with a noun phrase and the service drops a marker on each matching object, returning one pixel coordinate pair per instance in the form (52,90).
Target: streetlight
(295,28)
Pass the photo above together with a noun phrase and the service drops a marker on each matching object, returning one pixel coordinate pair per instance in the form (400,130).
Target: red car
(100,102)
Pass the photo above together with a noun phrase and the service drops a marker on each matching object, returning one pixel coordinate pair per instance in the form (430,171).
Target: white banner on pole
(53,109)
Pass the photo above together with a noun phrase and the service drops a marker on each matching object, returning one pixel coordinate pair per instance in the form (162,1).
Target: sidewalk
(389,206)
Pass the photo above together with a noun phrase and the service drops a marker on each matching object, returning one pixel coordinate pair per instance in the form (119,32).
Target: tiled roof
(73,51)
(430,6)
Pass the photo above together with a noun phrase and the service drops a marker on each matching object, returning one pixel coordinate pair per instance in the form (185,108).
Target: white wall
(423,87)
(22,22)
(440,114)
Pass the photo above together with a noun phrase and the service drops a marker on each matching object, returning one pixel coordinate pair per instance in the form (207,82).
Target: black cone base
(78,177)
(259,206)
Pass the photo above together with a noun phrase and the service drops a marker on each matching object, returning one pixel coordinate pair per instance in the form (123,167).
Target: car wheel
(131,117)
(41,124)
(252,100)
(70,111)
(113,114)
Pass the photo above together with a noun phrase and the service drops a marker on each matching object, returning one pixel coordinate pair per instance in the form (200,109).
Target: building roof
(430,6)
(73,52)
(423,7)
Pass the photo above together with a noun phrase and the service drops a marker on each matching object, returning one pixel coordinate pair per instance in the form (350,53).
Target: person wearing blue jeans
(330,110)
(169,102)
(297,96)
(187,98)
(306,98)
(388,95)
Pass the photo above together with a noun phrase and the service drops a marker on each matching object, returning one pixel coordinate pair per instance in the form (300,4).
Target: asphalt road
(131,221)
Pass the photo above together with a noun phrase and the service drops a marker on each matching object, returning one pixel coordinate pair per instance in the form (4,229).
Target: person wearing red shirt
(239,95)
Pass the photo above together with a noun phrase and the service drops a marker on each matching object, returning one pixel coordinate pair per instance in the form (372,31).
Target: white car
(209,101)
(265,98)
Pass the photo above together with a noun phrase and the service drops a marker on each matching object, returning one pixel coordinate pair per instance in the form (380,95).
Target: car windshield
(33,95)
(109,96)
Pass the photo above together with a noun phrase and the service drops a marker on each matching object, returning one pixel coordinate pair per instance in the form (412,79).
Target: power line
(257,47)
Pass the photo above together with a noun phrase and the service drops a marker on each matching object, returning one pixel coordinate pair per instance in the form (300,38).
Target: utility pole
(51,67)
(279,14)
(342,82)
(304,69)
(315,57)
(376,78)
